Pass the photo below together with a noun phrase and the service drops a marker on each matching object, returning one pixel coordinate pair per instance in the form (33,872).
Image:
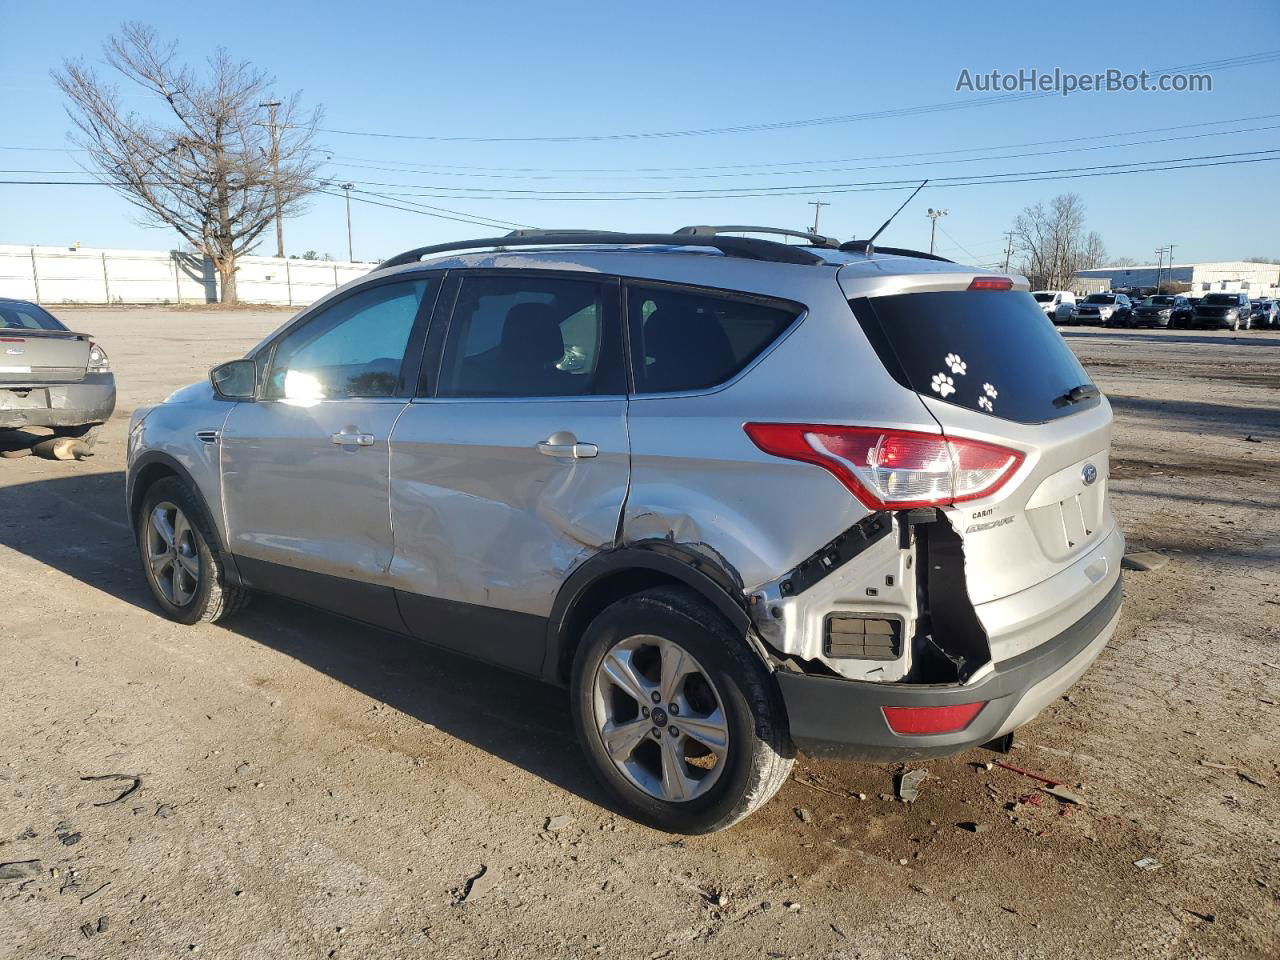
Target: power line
(778,173)
(395,206)
(789,163)
(1030,176)
(1245,60)
(709,193)
(1013,156)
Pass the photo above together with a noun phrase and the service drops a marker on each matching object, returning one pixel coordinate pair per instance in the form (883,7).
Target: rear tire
(670,644)
(180,563)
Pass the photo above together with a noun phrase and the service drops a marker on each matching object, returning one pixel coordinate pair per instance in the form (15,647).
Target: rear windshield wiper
(1086,391)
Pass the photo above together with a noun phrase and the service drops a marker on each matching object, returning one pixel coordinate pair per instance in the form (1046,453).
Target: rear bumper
(91,400)
(845,717)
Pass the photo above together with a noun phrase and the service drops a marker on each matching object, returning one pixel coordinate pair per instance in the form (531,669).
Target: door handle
(565,444)
(349,438)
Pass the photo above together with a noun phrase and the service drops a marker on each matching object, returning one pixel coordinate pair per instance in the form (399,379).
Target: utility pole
(1170,264)
(933,216)
(1008,251)
(817,209)
(272,106)
(1159,267)
(347,188)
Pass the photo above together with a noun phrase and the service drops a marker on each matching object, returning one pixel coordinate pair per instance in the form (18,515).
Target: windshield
(988,351)
(1157,302)
(1043,297)
(15,315)
(1101,298)
(1221,300)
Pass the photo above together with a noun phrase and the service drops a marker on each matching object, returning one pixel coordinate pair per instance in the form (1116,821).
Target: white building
(1255,279)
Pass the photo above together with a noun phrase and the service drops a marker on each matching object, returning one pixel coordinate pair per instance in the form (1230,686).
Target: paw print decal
(943,385)
(985,404)
(990,391)
(957,365)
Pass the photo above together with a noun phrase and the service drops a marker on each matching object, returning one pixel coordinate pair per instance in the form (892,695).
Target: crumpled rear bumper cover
(91,400)
(844,717)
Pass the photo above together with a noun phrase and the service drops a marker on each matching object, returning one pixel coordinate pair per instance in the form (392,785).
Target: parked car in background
(1058,305)
(1227,311)
(1104,309)
(51,376)
(1164,310)
(1265,313)
(910,562)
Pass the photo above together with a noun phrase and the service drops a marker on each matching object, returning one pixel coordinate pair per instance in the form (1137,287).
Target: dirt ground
(314,788)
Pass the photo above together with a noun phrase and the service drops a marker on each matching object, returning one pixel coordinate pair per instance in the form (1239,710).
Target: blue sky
(577,68)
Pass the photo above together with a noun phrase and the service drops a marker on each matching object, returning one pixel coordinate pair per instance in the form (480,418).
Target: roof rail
(815,239)
(749,248)
(865,246)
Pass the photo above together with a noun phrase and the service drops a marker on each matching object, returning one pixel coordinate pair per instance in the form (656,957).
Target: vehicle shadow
(77,525)
(1198,416)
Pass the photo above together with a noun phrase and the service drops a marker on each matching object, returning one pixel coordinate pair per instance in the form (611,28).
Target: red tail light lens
(893,469)
(917,720)
(991,283)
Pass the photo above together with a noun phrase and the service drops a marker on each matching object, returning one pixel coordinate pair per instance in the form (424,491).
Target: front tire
(679,719)
(184,572)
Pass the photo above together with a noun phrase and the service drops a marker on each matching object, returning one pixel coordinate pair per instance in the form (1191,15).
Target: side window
(535,336)
(688,340)
(353,349)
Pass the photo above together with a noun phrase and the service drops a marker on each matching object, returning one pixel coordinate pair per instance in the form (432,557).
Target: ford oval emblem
(1089,474)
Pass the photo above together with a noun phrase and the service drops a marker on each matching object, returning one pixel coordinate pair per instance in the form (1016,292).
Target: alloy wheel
(173,556)
(660,719)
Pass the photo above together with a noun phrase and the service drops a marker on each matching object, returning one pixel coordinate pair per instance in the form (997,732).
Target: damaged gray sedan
(51,376)
(739,497)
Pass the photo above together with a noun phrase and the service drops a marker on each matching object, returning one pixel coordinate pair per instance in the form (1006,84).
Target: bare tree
(1054,244)
(203,161)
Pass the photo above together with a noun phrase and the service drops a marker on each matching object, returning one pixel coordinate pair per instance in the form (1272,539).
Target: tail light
(919,720)
(98,362)
(893,469)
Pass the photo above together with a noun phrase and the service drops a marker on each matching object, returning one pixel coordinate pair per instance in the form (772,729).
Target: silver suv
(740,497)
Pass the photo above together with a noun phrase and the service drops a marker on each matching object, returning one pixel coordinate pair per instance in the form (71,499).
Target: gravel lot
(315,788)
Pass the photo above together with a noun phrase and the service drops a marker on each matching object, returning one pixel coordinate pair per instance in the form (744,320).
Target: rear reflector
(893,469)
(991,283)
(917,720)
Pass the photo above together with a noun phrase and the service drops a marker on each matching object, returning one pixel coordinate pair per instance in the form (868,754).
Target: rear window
(26,316)
(988,351)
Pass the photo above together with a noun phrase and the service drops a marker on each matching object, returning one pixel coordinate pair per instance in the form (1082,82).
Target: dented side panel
(481,516)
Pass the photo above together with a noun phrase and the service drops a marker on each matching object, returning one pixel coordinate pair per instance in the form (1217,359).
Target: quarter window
(689,340)
(356,348)
(530,336)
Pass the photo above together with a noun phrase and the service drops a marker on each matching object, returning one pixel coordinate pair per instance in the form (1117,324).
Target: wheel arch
(615,574)
(155,465)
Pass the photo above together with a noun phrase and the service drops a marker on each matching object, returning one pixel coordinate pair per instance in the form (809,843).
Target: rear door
(305,466)
(989,366)
(36,348)
(512,465)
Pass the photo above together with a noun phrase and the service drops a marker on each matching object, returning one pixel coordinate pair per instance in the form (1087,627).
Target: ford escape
(740,497)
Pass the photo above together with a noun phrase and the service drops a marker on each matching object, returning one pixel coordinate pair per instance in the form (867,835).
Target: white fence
(56,275)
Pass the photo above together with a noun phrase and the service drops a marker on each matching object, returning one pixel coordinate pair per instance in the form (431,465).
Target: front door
(305,466)
(513,467)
